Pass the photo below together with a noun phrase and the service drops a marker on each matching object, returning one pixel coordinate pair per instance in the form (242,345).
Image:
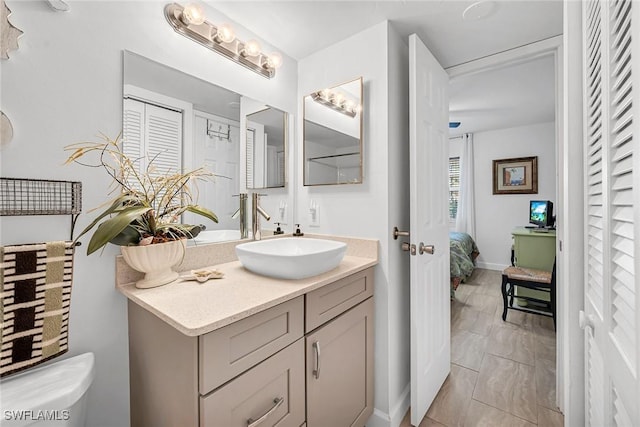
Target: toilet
(48,396)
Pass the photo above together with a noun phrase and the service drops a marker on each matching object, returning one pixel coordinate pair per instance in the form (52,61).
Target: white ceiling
(511,96)
(515,96)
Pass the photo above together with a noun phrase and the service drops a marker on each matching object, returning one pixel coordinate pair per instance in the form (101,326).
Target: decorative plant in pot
(143,216)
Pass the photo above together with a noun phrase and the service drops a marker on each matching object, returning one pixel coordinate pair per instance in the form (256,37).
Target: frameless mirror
(266,148)
(187,123)
(333,135)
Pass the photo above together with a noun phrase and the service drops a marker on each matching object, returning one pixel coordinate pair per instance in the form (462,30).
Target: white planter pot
(155,261)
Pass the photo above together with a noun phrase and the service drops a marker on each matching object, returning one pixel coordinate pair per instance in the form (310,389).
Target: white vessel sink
(214,236)
(291,257)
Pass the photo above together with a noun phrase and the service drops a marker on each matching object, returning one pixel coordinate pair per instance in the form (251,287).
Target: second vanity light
(336,101)
(190,22)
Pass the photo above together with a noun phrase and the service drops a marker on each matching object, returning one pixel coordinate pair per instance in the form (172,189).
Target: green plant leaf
(192,231)
(199,210)
(113,226)
(128,236)
(149,201)
(117,205)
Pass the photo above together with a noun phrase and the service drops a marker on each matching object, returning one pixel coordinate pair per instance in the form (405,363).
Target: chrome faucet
(242,213)
(255,218)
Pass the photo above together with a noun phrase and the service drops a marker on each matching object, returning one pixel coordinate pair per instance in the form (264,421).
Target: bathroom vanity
(250,350)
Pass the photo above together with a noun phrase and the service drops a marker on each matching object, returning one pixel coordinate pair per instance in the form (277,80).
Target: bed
(463,252)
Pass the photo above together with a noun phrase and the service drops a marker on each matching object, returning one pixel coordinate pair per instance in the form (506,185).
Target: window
(454,186)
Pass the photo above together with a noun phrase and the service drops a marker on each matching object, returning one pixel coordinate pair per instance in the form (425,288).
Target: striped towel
(36,295)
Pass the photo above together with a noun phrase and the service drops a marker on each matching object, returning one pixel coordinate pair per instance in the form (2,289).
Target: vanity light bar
(201,31)
(336,102)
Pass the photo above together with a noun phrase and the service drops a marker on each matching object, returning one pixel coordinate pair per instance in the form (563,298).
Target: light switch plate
(314,216)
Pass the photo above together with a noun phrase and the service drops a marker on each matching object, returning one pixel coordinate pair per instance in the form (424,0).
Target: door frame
(566,51)
(572,174)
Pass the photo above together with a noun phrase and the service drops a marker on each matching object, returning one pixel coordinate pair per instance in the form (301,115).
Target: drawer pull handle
(277,402)
(316,371)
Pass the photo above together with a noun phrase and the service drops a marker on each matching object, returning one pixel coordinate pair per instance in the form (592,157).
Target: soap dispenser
(278,230)
(298,232)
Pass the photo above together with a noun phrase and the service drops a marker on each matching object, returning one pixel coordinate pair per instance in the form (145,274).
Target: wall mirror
(333,135)
(266,140)
(189,123)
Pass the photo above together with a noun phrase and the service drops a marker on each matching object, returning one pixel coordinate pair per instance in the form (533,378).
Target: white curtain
(465,218)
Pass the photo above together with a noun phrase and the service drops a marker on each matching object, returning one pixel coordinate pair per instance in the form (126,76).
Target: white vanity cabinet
(305,362)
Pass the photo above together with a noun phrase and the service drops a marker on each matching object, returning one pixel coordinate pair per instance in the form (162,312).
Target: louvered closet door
(133,135)
(258,151)
(152,133)
(251,136)
(163,131)
(612,195)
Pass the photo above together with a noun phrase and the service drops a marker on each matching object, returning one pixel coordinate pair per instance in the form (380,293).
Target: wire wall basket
(40,197)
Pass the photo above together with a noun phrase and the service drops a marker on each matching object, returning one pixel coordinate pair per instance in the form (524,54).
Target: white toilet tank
(48,396)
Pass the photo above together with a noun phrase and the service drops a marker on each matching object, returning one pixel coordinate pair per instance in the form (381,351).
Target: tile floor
(502,373)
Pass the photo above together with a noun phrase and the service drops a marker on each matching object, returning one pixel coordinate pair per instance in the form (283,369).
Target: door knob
(422,248)
(397,233)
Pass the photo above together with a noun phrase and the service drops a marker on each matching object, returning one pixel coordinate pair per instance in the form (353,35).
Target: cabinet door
(340,369)
(270,394)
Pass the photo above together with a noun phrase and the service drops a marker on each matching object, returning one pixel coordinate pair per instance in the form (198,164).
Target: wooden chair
(538,280)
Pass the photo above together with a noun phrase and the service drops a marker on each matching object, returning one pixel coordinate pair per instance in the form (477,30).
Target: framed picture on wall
(515,176)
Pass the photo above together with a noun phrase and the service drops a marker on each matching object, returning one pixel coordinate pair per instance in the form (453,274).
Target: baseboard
(382,419)
(402,406)
(491,266)
(379,419)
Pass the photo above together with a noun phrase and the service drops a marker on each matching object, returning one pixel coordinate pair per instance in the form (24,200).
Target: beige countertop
(195,309)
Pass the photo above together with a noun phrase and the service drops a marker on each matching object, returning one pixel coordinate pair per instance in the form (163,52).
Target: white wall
(497,215)
(64,85)
(368,209)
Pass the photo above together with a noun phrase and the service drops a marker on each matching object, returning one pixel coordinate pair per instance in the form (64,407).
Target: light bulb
(358,109)
(350,105)
(338,99)
(251,48)
(224,34)
(274,60)
(326,94)
(193,13)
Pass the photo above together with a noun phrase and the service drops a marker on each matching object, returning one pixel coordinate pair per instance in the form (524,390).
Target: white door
(611,318)
(217,148)
(430,288)
(256,154)
(152,134)
(163,135)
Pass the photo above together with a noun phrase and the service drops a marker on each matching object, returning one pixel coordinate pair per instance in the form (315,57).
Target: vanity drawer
(229,351)
(331,300)
(274,390)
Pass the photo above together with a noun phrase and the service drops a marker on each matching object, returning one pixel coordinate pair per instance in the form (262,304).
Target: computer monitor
(541,213)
